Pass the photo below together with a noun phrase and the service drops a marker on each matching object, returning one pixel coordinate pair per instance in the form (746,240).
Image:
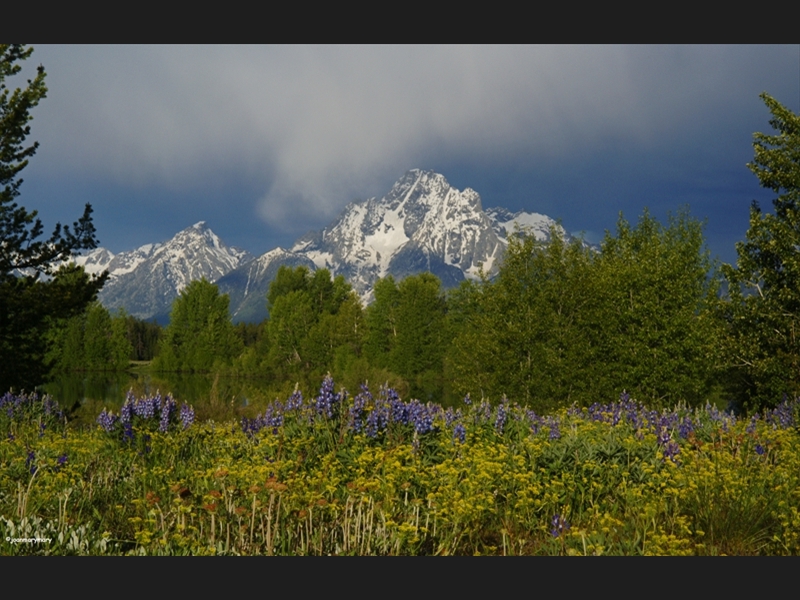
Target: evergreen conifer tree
(33,290)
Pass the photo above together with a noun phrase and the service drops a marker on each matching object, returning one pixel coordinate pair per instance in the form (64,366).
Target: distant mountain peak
(146,280)
(422,223)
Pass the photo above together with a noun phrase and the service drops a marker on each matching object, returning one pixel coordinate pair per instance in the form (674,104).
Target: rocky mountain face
(421,224)
(247,286)
(145,281)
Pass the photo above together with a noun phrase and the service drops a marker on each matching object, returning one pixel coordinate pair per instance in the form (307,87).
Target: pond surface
(84,395)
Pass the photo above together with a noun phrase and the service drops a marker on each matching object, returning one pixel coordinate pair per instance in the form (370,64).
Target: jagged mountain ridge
(145,281)
(421,224)
(247,286)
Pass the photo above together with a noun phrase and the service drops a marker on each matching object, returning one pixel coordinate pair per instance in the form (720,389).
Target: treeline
(96,340)
(560,323)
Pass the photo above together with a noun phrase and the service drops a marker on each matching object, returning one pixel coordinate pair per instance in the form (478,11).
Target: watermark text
(31,540)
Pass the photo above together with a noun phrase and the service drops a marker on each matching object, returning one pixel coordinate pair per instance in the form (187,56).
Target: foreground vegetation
(373,474)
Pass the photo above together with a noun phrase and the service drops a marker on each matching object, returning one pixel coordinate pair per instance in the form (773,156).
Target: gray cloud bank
(318,125)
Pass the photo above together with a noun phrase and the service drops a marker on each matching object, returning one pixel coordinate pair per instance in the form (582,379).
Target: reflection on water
(84,395)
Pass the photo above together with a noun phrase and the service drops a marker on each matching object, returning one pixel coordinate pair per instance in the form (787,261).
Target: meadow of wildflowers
(371,473)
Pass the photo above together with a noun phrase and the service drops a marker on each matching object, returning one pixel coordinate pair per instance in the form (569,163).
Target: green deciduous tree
(200,335)
(407,332)
(764,287)
(525,333)
(380,319)
(33,290)
(90,341)
(656,333)
(315,324)
(562,323)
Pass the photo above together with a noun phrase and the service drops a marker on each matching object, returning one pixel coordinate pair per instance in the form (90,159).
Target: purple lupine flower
(146,407)
(782,416)
(61,460)
(127,431)
(559,525)
(460,433)
(326,399)
(377,419)
(760,450)
(751,426)
(467,400)
(421,416)
(663,436)
(398,411)
(273,417)
(486,410)
(30,462)
(187,415)
(671,449)
(295,401)
(686,427)
(451,416)
(248,426)
(126,412)
(168,407)
(51,407)
(553,423)
(534,420)
(107,420)
(356,412)
(500,418)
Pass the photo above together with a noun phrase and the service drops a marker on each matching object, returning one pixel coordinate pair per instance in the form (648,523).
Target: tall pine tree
(28,299)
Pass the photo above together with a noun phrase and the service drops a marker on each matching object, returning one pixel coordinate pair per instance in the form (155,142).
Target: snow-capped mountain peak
(422,223)
(146,280)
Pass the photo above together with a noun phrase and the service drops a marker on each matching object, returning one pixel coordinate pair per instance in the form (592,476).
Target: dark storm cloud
(314,127)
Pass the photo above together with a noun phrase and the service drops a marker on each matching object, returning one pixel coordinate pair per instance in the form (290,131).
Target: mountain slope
(247,285)
(422,224)
(145,281)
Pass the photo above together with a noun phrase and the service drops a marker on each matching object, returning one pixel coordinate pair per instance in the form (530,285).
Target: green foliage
(28,303)
(142,335)
(407,332)
(90,341)
(655,332)
(315,325)
(525,334)
(381,322)
(562,323)
(764,287)
(200,334)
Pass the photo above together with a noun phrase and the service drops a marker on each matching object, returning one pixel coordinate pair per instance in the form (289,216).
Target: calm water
(84,395)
